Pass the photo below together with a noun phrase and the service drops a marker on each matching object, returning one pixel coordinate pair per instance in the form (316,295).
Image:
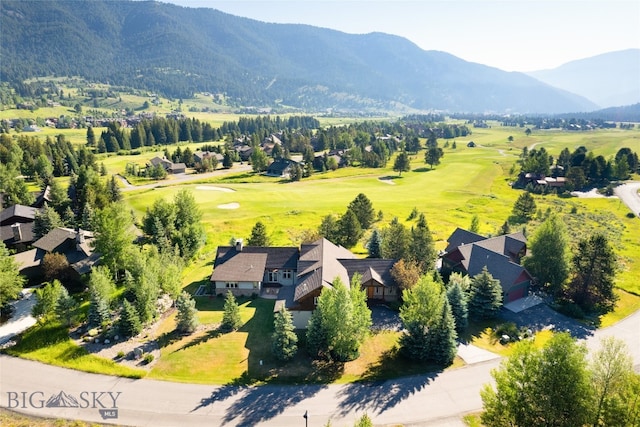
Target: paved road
(21,319)
(628,193)
(183,178)
(438,399)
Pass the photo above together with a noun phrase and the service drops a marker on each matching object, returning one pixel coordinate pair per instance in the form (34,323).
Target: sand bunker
(213,188)
(229,206)
(387,180)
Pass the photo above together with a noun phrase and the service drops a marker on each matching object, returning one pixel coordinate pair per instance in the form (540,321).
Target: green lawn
(51,344)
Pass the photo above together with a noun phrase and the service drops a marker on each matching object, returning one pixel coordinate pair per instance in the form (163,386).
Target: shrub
(630,215)
(570,309)
(509,329)
(148,358)
(120,355)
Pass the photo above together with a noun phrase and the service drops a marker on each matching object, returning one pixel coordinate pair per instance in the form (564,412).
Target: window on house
(272,276)
(287,274)
(232,284)
(315,300)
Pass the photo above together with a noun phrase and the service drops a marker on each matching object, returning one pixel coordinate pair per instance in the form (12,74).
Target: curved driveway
(437,399)
(628,193)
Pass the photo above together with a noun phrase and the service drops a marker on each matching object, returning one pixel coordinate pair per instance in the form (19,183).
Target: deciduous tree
(405,273)
(546,387)
(548,261)
(11,281)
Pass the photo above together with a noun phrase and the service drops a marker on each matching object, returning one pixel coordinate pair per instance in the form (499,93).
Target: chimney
(239,244)
(17,232)
(79,239)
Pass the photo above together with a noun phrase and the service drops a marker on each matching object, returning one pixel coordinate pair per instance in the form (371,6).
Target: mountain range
(179,51)
(611,79)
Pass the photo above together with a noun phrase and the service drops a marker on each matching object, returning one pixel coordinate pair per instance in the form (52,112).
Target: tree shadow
(389,177)
(381,388)
(422,169)
(375,397)
(542,316)
(211,334)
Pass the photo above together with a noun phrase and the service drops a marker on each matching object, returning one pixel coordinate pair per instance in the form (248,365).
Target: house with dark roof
(469,253)
(281,168)
(168,165)
(75,245)
(16,226)
(296,277)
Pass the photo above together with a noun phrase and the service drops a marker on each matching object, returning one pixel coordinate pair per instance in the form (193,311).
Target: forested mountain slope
(179,51)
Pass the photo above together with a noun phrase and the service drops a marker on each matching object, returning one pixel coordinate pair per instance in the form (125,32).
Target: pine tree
(231,318)
(129,323)
(349,230)
(442,340)
(395,241)
(66,307)
(524,208)
(284,340)
(45,220)
(458,302)
(421,246)
(485,296)
(258,235)
(373,246)
(187,316)
(98,310)
(362,207)
(475,224)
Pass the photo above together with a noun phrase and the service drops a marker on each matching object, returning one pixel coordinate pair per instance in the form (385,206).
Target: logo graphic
(104,401)
(62,400)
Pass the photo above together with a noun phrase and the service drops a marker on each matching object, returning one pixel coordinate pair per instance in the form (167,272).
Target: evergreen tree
(284,340)
(258,235)
(362,207)
(548,261)
(349,229)
(395,241)
(594,270)
(458,302)
(187,316)
(66,307)
(227,161)
(329,228)
(433,156)
(525,207)
(485,296)
(402,163)
(99,312)
(45,220)
(113,191)
(475,224)
(316,336)
(231,318)
(373,246)
(363,421)
(129,323)
(442,340)
(504,229)
(422,249)
(91,137)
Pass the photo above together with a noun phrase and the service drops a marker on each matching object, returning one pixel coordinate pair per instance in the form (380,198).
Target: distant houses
(168,165)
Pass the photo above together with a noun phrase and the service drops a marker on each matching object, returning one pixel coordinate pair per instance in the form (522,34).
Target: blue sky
(513,35)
